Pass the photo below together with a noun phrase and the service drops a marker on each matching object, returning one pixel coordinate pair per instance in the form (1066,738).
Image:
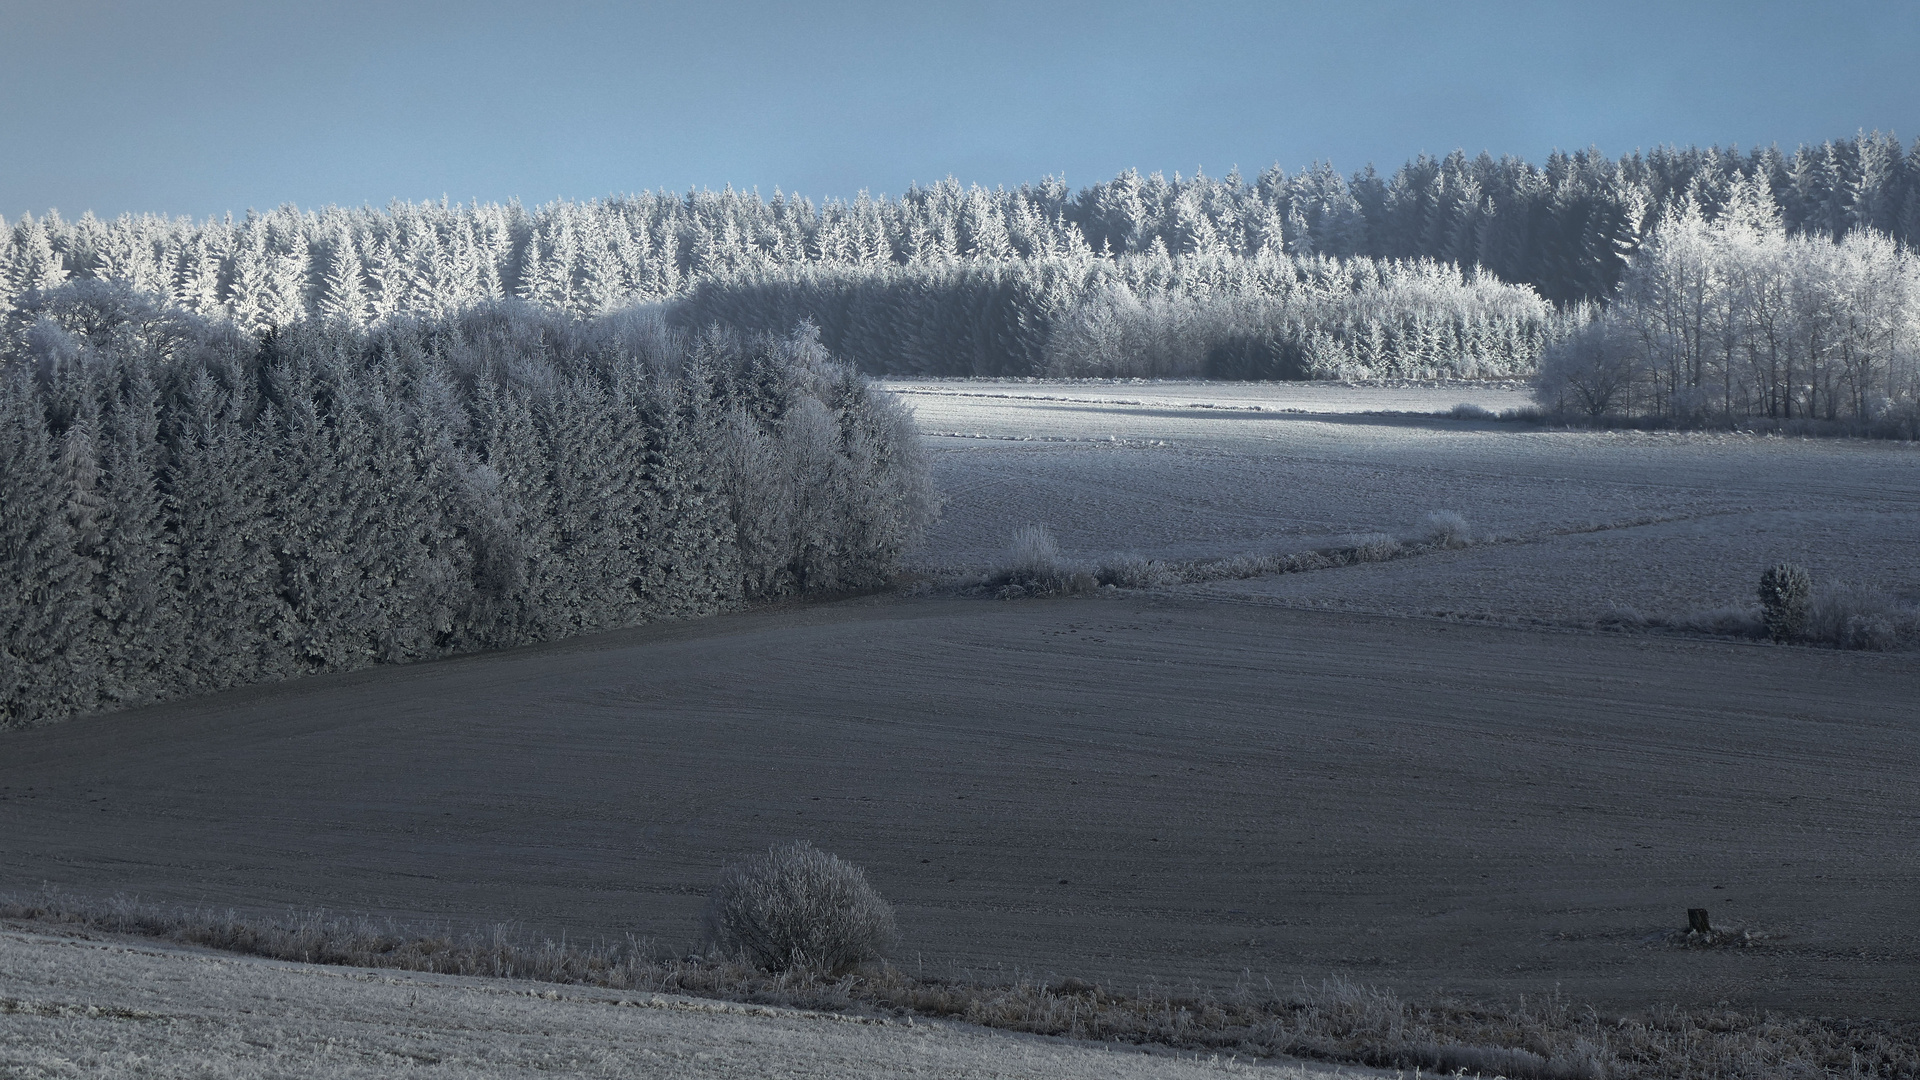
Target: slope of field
(103,1008)
(1664,523)
(1133,790)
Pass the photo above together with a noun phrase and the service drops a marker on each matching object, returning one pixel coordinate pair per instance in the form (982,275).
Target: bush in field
(1856,616)
(1447,529)
(1373,547)
(1033,555)
(798,908)
(1786,596)
(1033,567)
(1137,572)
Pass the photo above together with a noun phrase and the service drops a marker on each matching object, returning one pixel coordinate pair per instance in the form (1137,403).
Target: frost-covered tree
(190,506)
(1728,314)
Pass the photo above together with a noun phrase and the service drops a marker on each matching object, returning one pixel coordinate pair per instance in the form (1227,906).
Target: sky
(202,107)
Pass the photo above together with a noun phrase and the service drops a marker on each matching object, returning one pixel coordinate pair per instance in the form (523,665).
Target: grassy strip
(1844,615)
(1338,1021)
(1034,566)
(1901,424)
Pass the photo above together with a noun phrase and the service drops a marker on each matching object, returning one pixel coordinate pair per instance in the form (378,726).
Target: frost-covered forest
(189,507)
(1565,228)
(1732,315)
(1153,315)
(953,280)
(300,441)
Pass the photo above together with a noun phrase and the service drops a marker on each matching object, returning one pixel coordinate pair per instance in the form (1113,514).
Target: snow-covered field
(1662,523)
(71,1007)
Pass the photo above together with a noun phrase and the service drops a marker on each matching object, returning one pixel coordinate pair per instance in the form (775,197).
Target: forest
(303,441)
(1731,315)
(948,280)
(189,507)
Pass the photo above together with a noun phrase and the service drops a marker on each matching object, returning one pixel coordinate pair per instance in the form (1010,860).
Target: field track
(1131,789)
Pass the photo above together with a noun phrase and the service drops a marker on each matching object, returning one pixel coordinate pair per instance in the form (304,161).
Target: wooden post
(1697,920)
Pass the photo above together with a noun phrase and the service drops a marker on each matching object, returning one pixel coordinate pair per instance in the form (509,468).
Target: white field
(1663,523)
(71,1007)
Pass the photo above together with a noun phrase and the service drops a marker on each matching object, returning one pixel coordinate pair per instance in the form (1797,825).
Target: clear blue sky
(204,106)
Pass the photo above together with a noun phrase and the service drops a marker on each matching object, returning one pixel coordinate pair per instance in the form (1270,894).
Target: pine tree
(343,294)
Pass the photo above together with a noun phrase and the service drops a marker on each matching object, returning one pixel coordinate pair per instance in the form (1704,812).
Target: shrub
(1731,621)
(1448,529)
(1855,616)
(1034,568)
(798,908)
(1786,594)
(1466,410)
(1033,555)
(1135,572)
(1373,547)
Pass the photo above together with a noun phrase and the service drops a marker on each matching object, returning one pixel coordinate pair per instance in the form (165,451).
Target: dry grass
(1337,1021)
(1132,572)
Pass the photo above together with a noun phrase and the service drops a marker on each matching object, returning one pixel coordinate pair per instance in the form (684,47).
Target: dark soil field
(1135,789)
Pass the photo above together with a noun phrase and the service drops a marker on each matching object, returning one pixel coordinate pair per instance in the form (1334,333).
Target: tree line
(1566,228)
(1153,315)
(189,506)
(1726,313)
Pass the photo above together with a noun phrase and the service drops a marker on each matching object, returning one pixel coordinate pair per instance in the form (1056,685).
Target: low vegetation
(1336,1021)
(1796,610)
(1033,565)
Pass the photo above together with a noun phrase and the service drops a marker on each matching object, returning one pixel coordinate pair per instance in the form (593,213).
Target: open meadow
(1278,778)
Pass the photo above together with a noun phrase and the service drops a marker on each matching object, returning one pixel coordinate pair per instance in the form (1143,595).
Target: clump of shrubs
(1138,572)
(1857,616)
(1447,529)
(1034,567)
(797,908)
(1372,547)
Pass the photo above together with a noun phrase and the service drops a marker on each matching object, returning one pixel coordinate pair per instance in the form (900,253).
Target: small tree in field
(1786,597)
(798,908)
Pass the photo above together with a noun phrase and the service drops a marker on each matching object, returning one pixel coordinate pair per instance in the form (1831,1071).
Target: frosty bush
(1137,572)
(1786,594)
(1856,616)
(1033,567)
(190,507)
(1373,547)
(798,908)
(1447,529)
(1033,555)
